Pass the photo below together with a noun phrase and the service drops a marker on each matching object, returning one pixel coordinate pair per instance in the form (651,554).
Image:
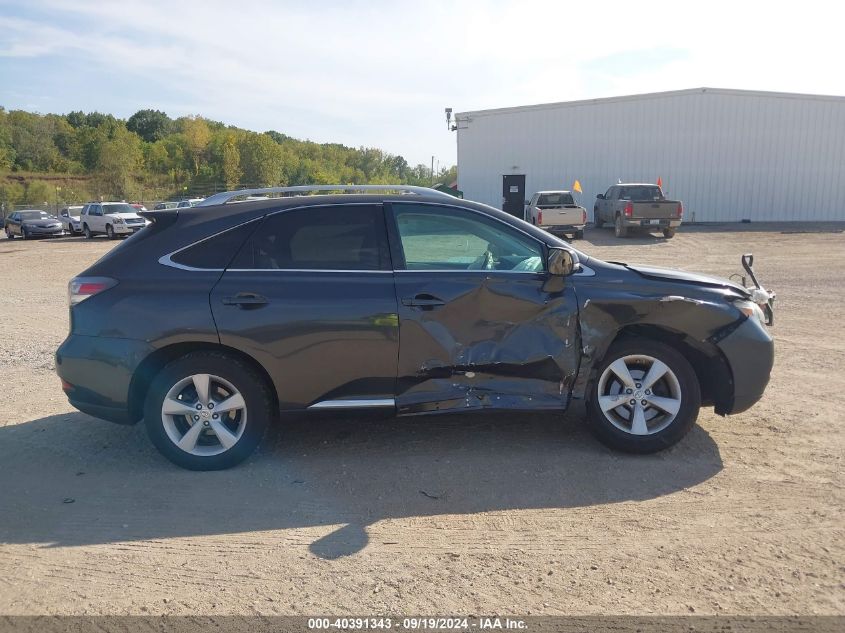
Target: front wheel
(109,231)
(645,397)
(619,229)
(88,233)
(669,233)
(597,221)
(207,411)
(24,233)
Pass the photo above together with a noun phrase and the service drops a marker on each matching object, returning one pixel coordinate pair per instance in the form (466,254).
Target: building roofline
(652,95)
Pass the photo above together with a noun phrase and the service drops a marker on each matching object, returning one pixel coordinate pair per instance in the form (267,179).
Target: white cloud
(379,73)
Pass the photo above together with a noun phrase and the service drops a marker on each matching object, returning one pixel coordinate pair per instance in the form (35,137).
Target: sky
(380,73)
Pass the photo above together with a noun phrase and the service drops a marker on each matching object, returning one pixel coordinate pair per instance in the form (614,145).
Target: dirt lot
(519,514)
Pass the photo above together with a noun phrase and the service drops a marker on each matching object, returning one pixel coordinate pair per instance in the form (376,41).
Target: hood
(42,223)
(671,274)
(126,215)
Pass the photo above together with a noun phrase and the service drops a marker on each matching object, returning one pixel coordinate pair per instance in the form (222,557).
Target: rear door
(482,325)
(310,296)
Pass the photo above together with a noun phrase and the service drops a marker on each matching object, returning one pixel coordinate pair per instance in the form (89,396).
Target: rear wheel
(87,230)
(24,233)
(645,397)
(619,229)
(669,233)
(207,411)
(579,235)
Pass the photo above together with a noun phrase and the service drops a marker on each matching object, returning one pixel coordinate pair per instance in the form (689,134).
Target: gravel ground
(525,514)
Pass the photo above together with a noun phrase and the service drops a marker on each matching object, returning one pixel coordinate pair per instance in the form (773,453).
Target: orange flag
(659,182)
(577,186)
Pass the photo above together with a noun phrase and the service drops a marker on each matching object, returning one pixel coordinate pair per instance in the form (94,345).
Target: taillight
(80,288)
(539,217)
(680,212)
(629,209)
(583,216)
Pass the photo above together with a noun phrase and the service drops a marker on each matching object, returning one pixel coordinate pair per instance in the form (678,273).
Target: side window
(216,252)
(610,192)
(448,238)
(342,237)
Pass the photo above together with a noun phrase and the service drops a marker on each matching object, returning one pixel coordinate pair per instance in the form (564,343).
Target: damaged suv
(218,318)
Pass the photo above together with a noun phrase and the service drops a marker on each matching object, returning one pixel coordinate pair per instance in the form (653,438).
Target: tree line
(82,156)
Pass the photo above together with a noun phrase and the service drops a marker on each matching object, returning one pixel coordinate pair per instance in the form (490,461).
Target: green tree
(231,162)
(11,193)
(150,125)
(120,158)
(262,160)
(39,193)
(197,135)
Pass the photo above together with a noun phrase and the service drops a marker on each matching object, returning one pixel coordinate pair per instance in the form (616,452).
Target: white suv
(111,218)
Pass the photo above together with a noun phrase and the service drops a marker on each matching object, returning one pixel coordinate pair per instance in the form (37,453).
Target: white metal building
(730,155)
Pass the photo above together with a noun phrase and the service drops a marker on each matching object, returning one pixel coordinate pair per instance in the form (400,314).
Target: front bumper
(97,372)
(750,352)
(127,229)
(37,231)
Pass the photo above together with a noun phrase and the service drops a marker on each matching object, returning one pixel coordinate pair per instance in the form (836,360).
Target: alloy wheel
(204,415)
(639,394)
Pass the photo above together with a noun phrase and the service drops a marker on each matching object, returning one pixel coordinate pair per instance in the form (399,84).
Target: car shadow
(605,237)
(73,480)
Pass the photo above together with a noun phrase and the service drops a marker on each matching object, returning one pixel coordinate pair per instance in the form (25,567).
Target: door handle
(245,300)
(423,301)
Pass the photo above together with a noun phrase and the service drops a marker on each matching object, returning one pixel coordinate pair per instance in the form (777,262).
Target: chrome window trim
(166,260)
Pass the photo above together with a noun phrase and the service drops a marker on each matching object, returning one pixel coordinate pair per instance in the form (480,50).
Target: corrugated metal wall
(729,155)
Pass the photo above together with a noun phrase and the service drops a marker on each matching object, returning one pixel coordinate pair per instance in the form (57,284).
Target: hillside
(57,159)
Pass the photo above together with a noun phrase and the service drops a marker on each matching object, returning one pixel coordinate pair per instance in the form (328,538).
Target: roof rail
(228,196)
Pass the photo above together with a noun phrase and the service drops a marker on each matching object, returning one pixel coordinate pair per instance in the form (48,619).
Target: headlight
(751,310)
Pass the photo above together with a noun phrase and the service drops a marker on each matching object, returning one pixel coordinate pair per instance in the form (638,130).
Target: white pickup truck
(557,213)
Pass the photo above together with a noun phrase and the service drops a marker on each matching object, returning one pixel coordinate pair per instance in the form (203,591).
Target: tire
(597,221)
(619,426)
(87,231)
(619,229)
(245,426)
(669,233)
(110,231)
(24,234)
(579,235)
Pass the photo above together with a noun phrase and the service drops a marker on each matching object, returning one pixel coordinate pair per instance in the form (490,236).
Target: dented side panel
(499,340)
(617,298)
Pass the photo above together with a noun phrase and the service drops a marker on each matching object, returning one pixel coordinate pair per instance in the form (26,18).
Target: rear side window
(557,199)
(216,252)
(342,237)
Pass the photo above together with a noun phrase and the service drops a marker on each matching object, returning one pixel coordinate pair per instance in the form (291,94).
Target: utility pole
(432,170)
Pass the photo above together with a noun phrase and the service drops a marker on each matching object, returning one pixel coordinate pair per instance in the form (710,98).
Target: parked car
(557,213)
(30,223)
(182,204)
(137,206)
(638,206)
(110,218)
(165,205)
(69,217)
(416,303)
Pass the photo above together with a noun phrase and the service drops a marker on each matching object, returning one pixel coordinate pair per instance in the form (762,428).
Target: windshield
(36,215)
(557,199)
(641,193)
(118,208)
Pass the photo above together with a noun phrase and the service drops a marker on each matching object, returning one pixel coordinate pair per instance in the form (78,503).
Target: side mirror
(562,262)
(600,196)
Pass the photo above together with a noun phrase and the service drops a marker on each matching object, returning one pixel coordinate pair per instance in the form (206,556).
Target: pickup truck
(557,213)
(637,206)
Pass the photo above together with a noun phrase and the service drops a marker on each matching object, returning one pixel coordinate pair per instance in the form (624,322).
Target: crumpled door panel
(503,341)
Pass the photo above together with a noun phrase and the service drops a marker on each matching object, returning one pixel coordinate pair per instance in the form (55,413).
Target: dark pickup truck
(637,206)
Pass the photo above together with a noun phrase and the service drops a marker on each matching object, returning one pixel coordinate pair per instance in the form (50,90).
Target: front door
(513,194)
(310,296)
(482,324)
